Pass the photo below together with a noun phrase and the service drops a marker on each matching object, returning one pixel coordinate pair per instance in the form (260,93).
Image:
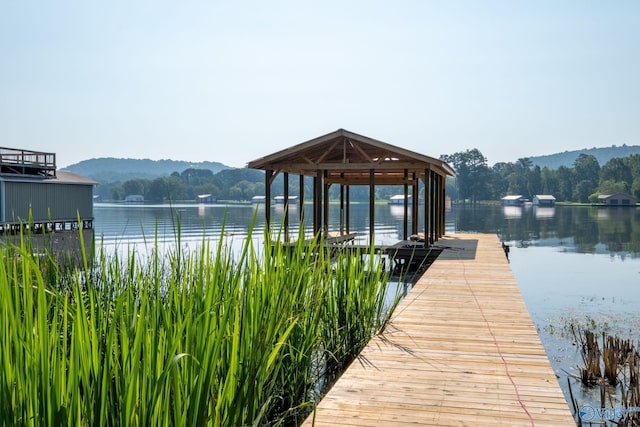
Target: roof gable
(347,151)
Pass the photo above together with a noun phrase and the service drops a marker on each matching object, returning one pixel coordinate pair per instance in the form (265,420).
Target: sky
(237,80)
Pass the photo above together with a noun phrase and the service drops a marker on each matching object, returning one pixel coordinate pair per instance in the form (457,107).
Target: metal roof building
(34,194)
(544,200)
(617,199)
(513,200)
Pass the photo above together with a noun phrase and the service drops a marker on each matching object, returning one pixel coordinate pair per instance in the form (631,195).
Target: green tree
(566,181)
(635,187)
(499,181)
(582,191)
(243,190)
(616,170)
(472,174)
(534,181)
(612,187)
(634,165)
(117,192)
(177,189)
(207,188)
(587,168)
(518,178)
(587,175)
(549,181)
(134,186)
(158,190)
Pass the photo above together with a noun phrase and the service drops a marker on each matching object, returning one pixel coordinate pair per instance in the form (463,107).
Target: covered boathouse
(347,159)
(37,198)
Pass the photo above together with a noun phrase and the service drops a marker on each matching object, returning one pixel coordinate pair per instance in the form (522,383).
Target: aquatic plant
(616,366)
(207,337)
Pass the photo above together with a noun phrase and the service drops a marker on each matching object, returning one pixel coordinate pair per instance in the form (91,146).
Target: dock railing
(27,162)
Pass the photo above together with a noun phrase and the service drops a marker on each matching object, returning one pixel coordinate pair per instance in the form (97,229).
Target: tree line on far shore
(230,184)
(475,181)
(583,182)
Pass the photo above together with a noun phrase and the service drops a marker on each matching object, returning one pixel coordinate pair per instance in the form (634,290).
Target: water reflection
(397,211)
(511,212)
(544,212)
(583,229)
(118,224)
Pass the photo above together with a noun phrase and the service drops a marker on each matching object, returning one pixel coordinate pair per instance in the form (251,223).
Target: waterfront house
(205,199)
(280,200)
(134,198)
(513,200)
(544,200)
(617,199)
(34,193)
(399,199)
(54,208)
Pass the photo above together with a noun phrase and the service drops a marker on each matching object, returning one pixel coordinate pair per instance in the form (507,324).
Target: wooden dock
(461,349)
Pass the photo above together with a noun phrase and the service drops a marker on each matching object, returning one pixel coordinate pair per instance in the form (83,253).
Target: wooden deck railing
(27,162)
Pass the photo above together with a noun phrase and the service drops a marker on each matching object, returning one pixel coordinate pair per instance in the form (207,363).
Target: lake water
(575,265)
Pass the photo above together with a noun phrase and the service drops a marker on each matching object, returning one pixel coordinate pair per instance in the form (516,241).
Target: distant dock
(460,349)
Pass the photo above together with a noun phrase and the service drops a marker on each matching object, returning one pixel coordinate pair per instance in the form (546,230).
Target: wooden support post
(427,191)
(434,208)
(348,213)
(286,206)
(414,206)
(429,197)
(405,218)
(443,192)
(439,225)
(317,202)
(301,192)
(325,198)
(372,201)
(267,197)
(342,206)
(438,207)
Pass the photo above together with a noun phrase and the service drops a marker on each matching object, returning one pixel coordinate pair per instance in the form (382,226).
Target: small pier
(460,349)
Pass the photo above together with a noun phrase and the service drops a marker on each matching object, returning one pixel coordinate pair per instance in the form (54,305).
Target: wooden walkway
(461,349)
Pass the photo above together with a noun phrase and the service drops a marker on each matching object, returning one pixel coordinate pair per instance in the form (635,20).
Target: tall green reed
(207,337)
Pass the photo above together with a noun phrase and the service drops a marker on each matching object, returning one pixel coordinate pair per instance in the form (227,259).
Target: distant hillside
(110,169)
(554,161)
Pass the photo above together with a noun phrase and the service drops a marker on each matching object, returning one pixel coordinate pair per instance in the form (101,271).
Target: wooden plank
(460,349)
(336,238)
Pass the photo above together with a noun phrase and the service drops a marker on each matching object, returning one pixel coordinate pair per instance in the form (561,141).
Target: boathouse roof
(67,177)
(61,177)
(348,157)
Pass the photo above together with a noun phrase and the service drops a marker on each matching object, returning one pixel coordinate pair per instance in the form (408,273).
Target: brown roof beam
(365,181)
(388,165)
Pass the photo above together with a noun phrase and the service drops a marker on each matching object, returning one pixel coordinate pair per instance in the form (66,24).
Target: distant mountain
(110,169)
(604,154)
